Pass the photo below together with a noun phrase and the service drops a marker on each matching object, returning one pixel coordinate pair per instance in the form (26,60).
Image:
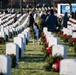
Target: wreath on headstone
(13,57)
(53,63)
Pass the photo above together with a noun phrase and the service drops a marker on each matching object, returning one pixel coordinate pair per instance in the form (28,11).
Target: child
(36,32)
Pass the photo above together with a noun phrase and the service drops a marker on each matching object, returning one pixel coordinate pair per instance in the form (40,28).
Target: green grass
(33,62)
(2,49)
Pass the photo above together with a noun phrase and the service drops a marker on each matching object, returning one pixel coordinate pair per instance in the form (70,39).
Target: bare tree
(12,2)
(65,1)
(21,6)
(3,3)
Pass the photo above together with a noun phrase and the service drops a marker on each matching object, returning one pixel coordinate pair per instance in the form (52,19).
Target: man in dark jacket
(51,21)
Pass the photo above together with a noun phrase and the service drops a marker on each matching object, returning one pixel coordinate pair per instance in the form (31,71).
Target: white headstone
(70,31)
(74,35)
(19,42)
(24,40)
(0,19)
(53,41)
(59,50)
(45,29)
(24,35)
(14,31)
(49,34)
(2,29)
(12,48)
(66,31)
(3,34)
(11,30)
(27,32)
(68,67)
(5,64)
(7,33)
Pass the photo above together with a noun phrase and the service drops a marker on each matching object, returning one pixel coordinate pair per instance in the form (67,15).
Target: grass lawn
(33,62)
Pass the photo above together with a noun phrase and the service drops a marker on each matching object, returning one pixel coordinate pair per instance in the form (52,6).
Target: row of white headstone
(9,21)
(2,18)
(13,48)
(72,21)
(53,41)
(70,31)
(8,29)
(1,15)
(41,9)
(71,28)
(18,44)
(67,66)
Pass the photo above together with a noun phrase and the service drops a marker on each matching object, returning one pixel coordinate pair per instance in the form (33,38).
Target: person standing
(75,15)
(72,15)
(65,20)
(51,21)
(43,17)
(36,32)
(31,20)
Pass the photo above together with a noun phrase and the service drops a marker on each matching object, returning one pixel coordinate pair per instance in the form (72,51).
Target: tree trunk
(70,8)
(21,6)
(34,5)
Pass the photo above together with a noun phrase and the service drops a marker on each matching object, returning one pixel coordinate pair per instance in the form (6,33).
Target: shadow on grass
(71,55)
(33,58)
(31,69)
(32,50)
(31,41)
(64,43)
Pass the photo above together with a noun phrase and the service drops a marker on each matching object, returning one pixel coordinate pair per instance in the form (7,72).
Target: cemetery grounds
(33,61)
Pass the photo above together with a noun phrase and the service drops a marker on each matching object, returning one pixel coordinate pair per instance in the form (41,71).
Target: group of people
(35,28)
(50,21)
